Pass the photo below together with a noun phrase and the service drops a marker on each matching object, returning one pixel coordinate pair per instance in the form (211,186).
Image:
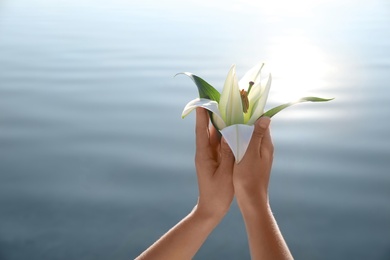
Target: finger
(215,137)
(227,158)
(201,128)
(261,127)
(267,147)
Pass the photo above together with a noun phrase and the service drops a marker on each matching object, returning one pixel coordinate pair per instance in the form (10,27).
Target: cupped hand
(251,175)
(214,163)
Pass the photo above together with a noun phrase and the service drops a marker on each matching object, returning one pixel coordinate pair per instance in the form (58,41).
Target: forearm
(184,239)
(265,238)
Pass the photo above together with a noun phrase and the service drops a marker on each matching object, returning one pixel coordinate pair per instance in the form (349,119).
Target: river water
(96,162)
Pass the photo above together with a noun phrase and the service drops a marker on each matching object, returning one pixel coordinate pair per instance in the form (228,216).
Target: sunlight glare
(298,68)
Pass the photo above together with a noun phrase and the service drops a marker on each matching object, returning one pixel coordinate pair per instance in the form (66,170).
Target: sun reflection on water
(298,69)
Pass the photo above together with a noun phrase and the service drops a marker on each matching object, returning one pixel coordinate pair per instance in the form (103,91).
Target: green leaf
(275,110)
(205,89)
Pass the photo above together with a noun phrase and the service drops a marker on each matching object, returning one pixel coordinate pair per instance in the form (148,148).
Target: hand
(214,163)
(214,168)
(251,176)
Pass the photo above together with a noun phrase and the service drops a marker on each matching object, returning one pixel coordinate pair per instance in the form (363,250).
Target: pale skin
(219,180)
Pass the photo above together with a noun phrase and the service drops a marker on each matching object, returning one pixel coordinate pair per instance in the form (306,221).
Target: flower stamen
(245,100)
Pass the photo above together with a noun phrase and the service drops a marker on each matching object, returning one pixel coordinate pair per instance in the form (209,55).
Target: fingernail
(264,122)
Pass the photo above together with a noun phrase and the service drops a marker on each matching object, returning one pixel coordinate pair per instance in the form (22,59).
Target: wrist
(212,216)
(253,201)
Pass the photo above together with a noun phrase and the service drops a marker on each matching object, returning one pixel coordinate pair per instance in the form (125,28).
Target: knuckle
(269,154)
(198,158)
(258,132)
(271,150)
(202,157)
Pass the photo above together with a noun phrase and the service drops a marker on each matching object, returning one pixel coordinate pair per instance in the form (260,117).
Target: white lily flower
(228,114)
(235,111)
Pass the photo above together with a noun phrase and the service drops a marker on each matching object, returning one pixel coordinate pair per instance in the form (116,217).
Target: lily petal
(217,121)
(238,138)
(258,108)
(230,104)
(207,104)
(252,75)
(253,98)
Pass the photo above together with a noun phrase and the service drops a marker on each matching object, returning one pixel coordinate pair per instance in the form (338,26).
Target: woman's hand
(251,176)
(214,168)
(214,163)
(217,172)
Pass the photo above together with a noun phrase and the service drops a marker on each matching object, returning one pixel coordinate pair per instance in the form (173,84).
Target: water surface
(96,163)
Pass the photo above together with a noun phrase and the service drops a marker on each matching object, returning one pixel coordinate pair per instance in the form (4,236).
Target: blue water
(96,162)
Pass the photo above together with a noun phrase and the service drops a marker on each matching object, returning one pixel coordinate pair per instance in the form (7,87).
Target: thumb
(260,130)
(227,157)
